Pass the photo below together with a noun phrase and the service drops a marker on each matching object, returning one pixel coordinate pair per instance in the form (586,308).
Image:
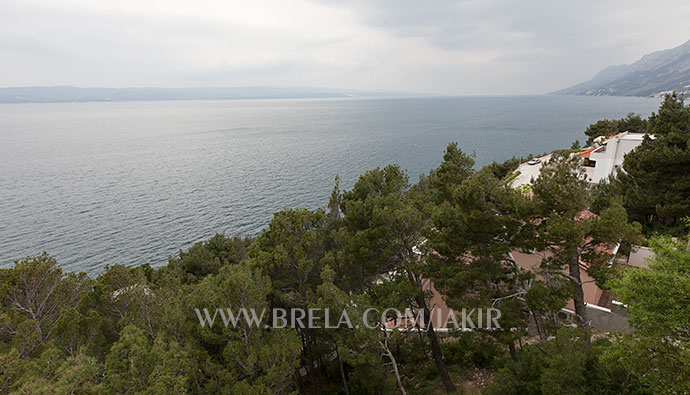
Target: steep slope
(653,75)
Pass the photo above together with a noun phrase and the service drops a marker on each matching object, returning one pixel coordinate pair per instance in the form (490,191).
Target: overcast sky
(447,47)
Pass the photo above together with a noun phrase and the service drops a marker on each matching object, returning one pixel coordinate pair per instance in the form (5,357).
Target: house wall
(591,290)
(611,157)
(603,162)
(601,318)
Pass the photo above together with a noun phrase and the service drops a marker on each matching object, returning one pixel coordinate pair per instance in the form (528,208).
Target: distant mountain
(655,74)
(55,94)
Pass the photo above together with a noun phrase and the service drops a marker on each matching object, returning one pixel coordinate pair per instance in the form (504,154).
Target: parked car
(534,161)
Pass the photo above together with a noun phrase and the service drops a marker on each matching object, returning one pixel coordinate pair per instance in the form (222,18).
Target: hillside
(654,74)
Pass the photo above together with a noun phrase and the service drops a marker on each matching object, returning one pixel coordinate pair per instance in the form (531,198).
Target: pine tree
(655,182)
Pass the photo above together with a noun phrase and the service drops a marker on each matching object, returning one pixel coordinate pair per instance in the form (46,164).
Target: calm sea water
(129,183)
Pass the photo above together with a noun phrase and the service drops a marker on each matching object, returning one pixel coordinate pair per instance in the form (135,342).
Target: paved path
(527,172)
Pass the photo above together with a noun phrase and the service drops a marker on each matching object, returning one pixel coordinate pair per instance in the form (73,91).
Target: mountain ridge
(653,75)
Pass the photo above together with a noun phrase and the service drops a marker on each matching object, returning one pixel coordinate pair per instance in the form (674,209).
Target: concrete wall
(601,318)
(640,256)
(608,320)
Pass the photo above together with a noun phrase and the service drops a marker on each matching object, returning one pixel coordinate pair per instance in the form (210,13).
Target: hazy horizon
(461,48)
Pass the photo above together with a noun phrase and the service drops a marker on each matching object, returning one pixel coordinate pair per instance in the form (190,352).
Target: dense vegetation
(608,127)
(136,330)
(656,183)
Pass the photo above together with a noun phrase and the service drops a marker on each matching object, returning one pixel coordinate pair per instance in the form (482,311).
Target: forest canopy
(376,245)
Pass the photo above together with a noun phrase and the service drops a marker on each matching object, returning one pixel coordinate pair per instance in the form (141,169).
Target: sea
(96,184)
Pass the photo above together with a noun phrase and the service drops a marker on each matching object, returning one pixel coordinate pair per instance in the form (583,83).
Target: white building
(606,159)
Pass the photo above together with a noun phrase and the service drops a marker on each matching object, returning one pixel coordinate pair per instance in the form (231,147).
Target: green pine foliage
(606,127)
(655,184)
(658,351)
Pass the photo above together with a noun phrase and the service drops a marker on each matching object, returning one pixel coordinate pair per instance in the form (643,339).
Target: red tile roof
(588,151)
(585,153)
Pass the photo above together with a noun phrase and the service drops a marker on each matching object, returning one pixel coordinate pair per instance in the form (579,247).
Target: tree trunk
(513,352)
(418,329)
(525,287)
(581,319)
(342,370)
(308,362)
(387,352)
(539,323)
(436,349)
(438,358)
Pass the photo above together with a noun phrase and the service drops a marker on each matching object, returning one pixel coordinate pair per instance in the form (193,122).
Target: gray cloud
(450,47)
